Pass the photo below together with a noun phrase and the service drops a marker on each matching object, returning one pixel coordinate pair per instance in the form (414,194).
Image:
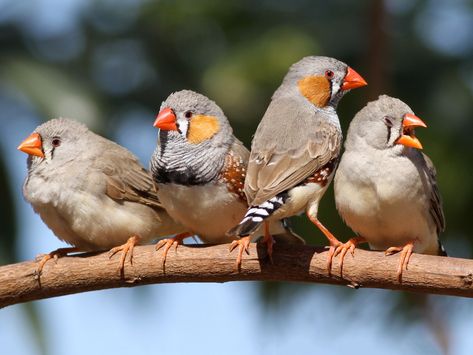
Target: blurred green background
(111,63)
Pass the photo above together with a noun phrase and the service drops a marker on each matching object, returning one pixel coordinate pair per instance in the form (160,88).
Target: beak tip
(353,80)
(32,145)
(166,120)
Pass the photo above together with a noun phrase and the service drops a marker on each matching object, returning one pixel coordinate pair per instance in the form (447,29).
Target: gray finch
(91,192)
(385,187)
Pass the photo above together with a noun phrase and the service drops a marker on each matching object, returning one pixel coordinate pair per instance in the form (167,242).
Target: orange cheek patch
(316,89)
(201,128)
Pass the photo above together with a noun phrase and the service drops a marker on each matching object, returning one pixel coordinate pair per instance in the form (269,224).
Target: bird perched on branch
(385,187)
(199,167)
(91,192)
(295,149)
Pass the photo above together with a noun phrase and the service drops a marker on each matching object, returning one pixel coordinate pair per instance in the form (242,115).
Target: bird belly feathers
(207,210)
(375,210)
(301,198)
(90,222)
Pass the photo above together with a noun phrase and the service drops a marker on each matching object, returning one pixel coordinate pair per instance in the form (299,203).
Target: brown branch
(87,272)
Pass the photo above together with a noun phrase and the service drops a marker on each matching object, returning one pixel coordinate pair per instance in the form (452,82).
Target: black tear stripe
(163,140)
(389,135)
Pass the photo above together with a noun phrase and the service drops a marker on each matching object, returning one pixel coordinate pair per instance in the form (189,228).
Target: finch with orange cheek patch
(199,167)
(295,149)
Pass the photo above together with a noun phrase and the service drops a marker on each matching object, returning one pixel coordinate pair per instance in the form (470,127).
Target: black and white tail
(256,215)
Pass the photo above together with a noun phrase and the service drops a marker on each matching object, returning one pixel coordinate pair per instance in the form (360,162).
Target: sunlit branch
(75,274)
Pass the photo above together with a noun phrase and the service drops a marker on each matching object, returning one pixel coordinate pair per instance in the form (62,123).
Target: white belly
(385,218)
(207,210)
(302,198)
(90,222)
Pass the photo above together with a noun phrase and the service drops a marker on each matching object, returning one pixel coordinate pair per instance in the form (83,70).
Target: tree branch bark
(88,272)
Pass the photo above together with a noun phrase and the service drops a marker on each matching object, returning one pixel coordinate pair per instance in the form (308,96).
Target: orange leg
(167,243)
(345,247)
(55,254)
(406,252)
(126,249)
(334,242)
(268,239)
(243,245)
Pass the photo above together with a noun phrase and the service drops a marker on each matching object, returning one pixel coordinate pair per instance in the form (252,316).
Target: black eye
(329,74)
(56,142)
(388,121)
(188,114)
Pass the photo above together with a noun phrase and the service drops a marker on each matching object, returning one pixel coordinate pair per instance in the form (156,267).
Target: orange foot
(334,242)
(126,249)
(243,245)
(406,252)
(269,240)
(167,243)
(55,254)
(347,247)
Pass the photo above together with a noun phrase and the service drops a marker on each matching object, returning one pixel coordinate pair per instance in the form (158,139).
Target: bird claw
(344,248)
(331,253)
(406,252)
(42,259)
(126,249)
(168,243)
(243,245)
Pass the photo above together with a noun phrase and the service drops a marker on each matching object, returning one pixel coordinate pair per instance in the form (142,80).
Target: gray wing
(436,209)
(126,179)
(291,143)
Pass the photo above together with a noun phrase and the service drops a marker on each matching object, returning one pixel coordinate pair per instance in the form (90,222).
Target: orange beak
(353,80)
(408,138)
(166,120)
(32,145)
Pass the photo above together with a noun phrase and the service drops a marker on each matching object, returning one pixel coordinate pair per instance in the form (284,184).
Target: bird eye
(188,114)
(329,74)
(56,142)
(388,121)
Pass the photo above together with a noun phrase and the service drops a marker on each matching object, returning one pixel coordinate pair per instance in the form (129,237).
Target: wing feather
(291,143)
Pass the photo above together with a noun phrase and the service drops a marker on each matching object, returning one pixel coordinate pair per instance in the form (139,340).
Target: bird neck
(177,161)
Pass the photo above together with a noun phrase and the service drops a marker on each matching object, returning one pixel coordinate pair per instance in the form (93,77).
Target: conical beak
(353,80)
(166,120)
(408,138)
(32,145)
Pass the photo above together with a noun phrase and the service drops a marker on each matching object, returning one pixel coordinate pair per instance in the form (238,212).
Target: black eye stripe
(389,124)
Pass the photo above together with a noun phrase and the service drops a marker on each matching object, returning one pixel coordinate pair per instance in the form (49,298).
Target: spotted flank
(323,175)
(257,214)
(233,174)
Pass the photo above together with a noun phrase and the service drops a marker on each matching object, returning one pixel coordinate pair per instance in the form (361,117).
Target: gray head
(321,80)
(55,142)
(387,123)
(194,138)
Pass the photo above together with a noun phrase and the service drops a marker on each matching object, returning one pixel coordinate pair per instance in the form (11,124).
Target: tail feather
(256,215)
(442,251)
(288,236)
(244,228)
